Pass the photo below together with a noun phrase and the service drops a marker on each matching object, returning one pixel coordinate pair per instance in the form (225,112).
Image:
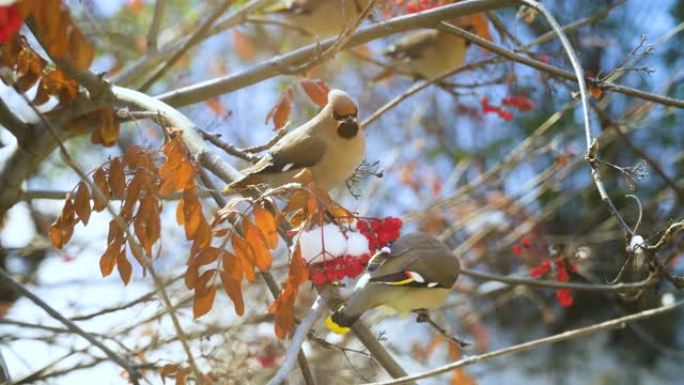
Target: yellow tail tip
(334,327)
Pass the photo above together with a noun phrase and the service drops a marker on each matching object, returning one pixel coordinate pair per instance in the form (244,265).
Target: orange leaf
(191,276)
(305,177)
(137,254)
(283,306)
(63,228)
(460,377)
(117,179)
(298,272)
(206,256)
(316,90)
(124,267)
(182,376)
(281,112)
(116,234)
(132,195)
(243,46)
(203,302)
(167,370)
(265,221)
(192,212)
(100,180)
(262,257)
(147,223)
(83,202)
(217,108)
(203,235)
(297,201)
(243,251)
(108,131)
(231,277)
(311,204)
(82,52)
(180,212)
(176,173)
(56,235)
(109,259)
(203,283)
(478,23)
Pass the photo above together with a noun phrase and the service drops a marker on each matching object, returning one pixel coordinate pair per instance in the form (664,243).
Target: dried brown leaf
(82,202)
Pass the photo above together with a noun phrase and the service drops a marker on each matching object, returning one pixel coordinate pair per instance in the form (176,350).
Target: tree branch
(279,65)
(195,38)
(650,281)
(297,340)
(71,326)
(607,325)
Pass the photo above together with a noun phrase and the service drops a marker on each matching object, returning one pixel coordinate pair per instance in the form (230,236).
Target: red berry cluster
(563,270)
(518,248)
(337,268)
(10,22)
(522,103)
(413,6)
(488,108)
(379,232)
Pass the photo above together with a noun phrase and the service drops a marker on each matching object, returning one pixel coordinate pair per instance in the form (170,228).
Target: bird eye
(337,116)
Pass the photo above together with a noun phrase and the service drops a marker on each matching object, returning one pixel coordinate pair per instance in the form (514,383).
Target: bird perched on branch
(331,145)
(321,18)
(415,273)
(427,52)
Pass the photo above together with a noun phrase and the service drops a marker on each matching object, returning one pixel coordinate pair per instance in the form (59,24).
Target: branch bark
(280,65)
(607,325)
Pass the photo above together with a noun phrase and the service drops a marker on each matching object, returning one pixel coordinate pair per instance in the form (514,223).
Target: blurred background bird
(415,273)
(331,145)
(320,18)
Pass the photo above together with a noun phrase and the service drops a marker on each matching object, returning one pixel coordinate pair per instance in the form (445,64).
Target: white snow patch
(336,243)
(357,244)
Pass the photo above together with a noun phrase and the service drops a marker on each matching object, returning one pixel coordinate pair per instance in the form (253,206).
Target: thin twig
(134,374)
(650,281)
(607,325)
(558,72)
(195,38)
(153,33)
(273,67)
(591,142)
(297,340)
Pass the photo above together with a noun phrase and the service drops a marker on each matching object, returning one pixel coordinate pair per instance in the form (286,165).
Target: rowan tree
(549,161)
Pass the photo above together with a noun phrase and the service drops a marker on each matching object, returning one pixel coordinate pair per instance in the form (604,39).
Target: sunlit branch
(607,325)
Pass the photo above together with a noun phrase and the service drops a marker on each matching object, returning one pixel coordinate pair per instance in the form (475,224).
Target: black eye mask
(347,129)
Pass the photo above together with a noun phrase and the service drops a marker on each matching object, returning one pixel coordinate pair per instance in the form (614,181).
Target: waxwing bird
(427,52)
(331,145)
(415,273)
(321,18)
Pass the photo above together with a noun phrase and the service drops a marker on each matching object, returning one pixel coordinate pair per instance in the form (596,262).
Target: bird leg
(424,316)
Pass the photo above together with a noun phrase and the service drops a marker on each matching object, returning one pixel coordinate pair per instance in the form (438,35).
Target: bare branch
(270,68)
(623,286)
(297,340)
(607,325)
(133,372)
(195,38)
(153,33)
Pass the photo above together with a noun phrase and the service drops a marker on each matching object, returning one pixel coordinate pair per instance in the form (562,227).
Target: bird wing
(413,45)
(306,151)
(392,269)
(416,260)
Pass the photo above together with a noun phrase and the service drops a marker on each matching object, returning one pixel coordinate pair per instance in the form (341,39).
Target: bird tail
(340,322)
